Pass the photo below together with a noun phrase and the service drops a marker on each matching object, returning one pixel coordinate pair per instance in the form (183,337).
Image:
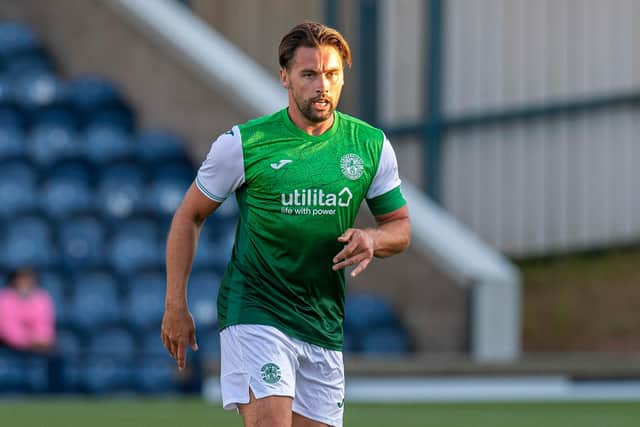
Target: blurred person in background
(27,314)
(300,176)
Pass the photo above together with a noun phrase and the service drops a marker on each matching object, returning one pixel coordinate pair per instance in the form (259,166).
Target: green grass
(195,413)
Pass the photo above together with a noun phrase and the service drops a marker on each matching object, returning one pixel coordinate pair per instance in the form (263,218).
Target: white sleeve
(386,178)
(222,172)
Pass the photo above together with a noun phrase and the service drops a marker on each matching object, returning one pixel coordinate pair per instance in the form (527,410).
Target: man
(300,176)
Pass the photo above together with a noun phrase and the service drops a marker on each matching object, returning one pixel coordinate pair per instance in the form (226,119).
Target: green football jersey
(296,194)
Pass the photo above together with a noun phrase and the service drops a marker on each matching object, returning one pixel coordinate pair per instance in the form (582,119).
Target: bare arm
(391,236)
(178,328)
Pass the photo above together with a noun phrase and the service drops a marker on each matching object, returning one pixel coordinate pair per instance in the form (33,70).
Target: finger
(181,354)
(164,341)
(350,261)
(360,268)
(192,341)
(346,236)
(347,251)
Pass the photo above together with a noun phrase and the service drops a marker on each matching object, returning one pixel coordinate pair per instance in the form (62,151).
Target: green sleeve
(387,202)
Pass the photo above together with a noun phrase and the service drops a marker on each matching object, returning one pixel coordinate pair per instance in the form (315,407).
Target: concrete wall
(549,185)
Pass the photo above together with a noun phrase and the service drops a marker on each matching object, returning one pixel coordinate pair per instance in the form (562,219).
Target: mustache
(322,98)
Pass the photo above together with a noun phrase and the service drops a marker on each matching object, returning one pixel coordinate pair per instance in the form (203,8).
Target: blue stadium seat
(145,305)
(156,147)
(18,198)
(56,284)
(36,372)
(28,63)
(19,170)
(95,302)
(100,102)
(51,143)
(12,145)
(208,344)
(69,342)
(71,349)
(65,197)
(133,251)
(11,116)
(214,251)
(41,93)
(178,170)
(12,372)
(389,341)
(16,38)
(70,169)
(16,41)
(121,190)
(28,242)
(105,144)
(165,195)
(139,225)
(202,296)
(82,241)
(366,311)
(110,365)
(33,227)
(156,372)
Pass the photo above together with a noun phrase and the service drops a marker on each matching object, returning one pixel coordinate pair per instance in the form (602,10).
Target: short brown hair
(312,34)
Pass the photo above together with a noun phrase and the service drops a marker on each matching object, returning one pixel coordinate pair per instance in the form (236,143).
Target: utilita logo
(314,202)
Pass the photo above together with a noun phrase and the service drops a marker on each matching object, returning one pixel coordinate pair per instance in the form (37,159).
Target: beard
(306,108)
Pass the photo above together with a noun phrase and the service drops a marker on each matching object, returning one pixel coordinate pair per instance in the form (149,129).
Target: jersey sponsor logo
(351,166)
(280,164)
(270,373)
(341,404)
(314,201)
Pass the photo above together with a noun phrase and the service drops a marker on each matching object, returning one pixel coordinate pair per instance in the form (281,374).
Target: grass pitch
(135,412)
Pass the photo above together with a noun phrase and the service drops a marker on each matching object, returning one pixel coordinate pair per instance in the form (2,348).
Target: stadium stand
(87,199)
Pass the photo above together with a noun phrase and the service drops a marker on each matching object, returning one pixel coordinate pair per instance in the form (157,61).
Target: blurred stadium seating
(87,199)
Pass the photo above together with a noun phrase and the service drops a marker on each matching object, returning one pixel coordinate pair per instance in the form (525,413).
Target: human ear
(284,78)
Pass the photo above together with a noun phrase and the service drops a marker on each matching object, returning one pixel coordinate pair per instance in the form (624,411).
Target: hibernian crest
(270,373)
(352,166)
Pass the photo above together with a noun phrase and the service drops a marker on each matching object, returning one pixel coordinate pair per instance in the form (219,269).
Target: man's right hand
(178,331)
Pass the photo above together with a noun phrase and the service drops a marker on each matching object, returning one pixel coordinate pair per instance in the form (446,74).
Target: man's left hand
(359,249)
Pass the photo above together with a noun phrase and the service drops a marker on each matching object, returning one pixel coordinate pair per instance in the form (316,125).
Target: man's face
(314,80)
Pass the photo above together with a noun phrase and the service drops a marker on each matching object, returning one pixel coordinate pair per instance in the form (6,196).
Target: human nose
(323,84)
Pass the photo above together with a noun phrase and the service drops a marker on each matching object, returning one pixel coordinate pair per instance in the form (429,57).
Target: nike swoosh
(280,164)
(341,404)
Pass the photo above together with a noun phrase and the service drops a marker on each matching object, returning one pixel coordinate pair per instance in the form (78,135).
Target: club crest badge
(351,166)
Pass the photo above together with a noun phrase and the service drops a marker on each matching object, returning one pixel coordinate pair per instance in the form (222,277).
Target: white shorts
(270,363)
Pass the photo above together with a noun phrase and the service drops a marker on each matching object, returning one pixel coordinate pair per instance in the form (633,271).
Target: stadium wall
(555,184)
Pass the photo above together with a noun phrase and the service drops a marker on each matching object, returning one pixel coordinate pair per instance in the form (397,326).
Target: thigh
(301,421)
(272,411)
(319,398)
(255,358)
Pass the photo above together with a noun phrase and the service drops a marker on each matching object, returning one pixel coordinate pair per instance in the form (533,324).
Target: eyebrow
(309,70)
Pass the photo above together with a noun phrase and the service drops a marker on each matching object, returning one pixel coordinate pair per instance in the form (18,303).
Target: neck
(308,127)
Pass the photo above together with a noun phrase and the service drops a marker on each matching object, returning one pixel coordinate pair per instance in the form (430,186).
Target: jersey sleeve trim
(387,202)
(208,193)
(222,172)
(386,177)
